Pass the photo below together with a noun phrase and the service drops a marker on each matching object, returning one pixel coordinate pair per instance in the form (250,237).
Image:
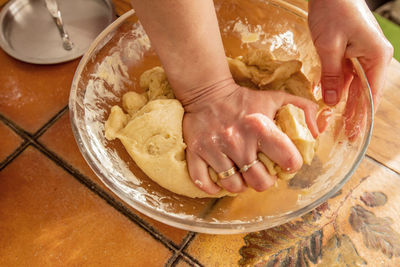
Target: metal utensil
(54,11)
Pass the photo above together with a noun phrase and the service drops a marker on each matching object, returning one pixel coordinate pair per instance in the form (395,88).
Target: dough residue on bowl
(151,126)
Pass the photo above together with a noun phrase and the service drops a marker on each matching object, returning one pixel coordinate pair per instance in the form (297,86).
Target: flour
(248,33)
(282,40)
(108,81)
(136,49)
(113,71)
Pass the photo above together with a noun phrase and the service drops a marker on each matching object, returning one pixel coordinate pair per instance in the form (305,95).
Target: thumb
(331,54)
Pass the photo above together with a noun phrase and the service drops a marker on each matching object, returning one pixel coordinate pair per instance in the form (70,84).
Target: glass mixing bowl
(119,55)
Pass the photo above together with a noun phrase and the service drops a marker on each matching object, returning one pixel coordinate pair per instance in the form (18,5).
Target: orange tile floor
(53,208)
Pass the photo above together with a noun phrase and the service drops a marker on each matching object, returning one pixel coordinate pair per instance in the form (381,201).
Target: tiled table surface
(55,212)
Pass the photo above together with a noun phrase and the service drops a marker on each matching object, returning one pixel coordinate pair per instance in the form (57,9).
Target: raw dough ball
(153,138)
(292,121)
(116,121)
(132,102)
(155,81)
(257,69)
(152,132)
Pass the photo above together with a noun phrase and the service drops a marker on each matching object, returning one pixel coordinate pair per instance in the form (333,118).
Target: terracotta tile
(32,94)
(122,6)
(182,263)
(9,141)
(59,138)
(49,218)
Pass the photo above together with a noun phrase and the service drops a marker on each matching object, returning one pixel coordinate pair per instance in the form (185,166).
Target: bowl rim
(201,226)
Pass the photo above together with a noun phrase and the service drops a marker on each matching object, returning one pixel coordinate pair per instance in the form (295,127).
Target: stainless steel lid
(28,32)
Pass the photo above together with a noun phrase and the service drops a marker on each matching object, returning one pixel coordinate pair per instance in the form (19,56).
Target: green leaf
(377,232)
(340,251)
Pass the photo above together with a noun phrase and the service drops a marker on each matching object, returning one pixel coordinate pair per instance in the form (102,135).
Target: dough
(291,120)
(153,138)
(156,83)
(132,102)
(152,130)
(259,70)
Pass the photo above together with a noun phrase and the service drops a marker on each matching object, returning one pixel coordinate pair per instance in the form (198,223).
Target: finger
(348,75)
(375,59)
(258,178)
(356,110)
(198,171)
(275,144)
(323,119)
(331,51)
(310,111)
(220,163)
(242,149)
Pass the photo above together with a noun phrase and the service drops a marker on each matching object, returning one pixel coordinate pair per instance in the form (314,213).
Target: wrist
(207,94)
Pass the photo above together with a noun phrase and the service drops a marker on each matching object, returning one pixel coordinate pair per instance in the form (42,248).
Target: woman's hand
(344,29)
(229,128)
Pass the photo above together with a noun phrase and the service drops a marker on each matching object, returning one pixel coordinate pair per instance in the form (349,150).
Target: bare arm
(225,125)
(186,37)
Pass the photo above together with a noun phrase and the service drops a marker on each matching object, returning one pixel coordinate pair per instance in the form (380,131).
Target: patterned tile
(59,139)
(9,141)
(48,218)
(359,226)
(32,94)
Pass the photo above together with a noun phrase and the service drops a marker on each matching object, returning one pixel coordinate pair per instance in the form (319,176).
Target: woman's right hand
(230,129)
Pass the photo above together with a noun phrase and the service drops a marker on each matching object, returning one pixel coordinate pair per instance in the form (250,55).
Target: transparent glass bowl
(119,55)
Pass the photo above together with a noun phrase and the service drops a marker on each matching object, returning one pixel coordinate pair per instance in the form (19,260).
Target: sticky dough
(151,126)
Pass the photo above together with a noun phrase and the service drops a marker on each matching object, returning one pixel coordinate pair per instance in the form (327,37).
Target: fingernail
(199,183)
(330,97)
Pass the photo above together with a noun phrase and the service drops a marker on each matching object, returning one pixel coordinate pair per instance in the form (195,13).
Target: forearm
(186,37)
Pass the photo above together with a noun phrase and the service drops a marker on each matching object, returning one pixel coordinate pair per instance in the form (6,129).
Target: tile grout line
(180,258)
(21,133)
(14,154)
(17,129)
(188,258)
(50,123)
(184,255)
(106,197)
(26,136)
(188,239)
(31,140)
(174,258)
(192,263)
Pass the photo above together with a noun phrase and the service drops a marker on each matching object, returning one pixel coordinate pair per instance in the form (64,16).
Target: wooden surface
(55,212)
(385,144)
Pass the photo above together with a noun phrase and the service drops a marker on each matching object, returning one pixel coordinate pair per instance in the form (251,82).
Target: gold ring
(227,173)
(246,167)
